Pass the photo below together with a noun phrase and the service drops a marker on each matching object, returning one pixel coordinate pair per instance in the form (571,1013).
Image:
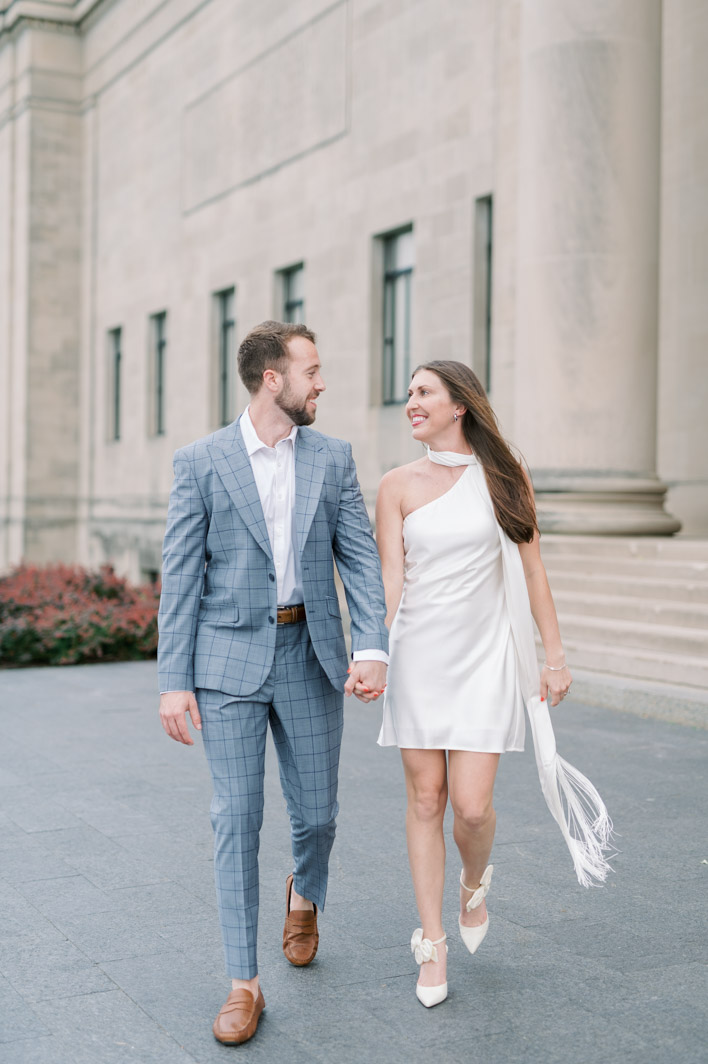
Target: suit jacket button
(271,620)
(270,576)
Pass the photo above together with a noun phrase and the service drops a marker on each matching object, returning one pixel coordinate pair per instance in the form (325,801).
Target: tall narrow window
(226,311)
(398,282)
(293,289)
(115,356)
(482,341)
(158,330)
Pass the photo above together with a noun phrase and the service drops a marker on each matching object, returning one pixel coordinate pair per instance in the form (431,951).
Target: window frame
(287,302)
(482,288)
(395,279)
(225,375)
(115,371)
(158,348)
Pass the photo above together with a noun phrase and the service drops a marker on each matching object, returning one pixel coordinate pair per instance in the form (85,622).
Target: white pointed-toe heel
(474,936)
(424,950)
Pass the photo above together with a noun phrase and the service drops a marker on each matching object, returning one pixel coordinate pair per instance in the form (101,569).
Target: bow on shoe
(422,948)
(482,890)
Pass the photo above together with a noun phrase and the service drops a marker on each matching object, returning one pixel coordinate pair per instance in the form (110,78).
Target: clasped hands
(367,680)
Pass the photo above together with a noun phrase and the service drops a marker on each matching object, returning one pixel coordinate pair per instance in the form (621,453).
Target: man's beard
(298,414)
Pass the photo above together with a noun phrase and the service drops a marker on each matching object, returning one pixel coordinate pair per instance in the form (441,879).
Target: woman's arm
(554,682)
(389,537)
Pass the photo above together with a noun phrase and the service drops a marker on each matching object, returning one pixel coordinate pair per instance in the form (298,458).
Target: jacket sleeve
(183,562)
(359,566)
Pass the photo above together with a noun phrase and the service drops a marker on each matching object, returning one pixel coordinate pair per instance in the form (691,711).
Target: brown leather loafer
(300,937)
(239,1017)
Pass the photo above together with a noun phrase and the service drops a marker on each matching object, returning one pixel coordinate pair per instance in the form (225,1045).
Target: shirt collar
(251,439)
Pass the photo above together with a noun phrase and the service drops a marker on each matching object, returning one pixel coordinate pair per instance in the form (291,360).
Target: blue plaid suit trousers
(305,714)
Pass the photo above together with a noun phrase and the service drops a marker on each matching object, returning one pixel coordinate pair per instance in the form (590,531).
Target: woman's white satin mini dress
(453,679)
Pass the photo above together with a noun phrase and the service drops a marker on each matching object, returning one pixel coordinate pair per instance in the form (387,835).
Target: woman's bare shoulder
(396,480)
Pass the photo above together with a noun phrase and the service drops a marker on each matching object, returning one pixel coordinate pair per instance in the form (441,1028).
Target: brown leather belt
(290,614)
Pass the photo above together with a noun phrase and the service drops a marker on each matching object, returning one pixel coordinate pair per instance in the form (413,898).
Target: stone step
(633,635)
(636,568)
(606,659)
(645,610)
(642,548)
(634,587)
(633,608)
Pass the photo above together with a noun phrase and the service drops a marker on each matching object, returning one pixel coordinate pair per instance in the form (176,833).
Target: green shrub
(64,615)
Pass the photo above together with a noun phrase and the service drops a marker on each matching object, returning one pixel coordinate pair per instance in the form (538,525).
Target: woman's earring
(454,417)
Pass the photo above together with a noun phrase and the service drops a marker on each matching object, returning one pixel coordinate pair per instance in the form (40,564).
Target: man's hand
(367,680)
(174,707)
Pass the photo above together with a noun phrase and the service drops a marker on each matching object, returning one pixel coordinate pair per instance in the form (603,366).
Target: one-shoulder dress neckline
(438,498)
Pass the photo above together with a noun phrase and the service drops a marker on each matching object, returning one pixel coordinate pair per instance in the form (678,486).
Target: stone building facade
(518,184)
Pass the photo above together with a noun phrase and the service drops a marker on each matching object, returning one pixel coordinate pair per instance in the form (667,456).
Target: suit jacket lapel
(310,466)
(234,468)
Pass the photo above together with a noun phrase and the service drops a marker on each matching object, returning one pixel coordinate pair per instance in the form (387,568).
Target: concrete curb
(643,698)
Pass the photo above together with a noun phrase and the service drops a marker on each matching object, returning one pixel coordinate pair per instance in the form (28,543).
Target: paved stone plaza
(109,945)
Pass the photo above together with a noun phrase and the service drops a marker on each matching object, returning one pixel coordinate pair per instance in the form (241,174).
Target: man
(251,632)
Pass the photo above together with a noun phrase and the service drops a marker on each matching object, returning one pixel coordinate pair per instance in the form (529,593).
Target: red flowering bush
(64,615)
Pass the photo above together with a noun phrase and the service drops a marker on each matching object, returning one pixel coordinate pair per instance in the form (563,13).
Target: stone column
(40,153)
(683,316)
(586,359)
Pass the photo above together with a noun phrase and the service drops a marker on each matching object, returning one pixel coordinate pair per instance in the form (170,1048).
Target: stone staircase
(633,609)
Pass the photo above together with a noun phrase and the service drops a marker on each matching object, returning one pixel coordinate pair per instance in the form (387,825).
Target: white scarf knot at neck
(451,458)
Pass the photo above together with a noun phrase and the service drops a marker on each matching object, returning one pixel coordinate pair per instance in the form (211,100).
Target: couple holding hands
(251,634)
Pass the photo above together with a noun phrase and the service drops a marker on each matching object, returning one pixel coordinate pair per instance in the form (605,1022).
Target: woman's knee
(473,816)
(427,803)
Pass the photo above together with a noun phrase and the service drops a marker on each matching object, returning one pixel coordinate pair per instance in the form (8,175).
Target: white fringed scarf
(573,801)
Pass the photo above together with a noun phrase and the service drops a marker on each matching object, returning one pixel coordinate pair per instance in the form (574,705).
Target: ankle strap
(478,893)
(423,948)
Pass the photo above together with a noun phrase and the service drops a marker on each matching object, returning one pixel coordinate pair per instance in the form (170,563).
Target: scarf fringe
(582,817)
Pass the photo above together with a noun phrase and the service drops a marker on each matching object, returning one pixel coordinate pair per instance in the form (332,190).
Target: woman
(447,526)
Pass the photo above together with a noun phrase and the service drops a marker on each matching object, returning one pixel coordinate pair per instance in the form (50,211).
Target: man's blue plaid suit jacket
(217,615)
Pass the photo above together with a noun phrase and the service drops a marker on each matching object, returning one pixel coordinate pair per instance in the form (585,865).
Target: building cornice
(67,14)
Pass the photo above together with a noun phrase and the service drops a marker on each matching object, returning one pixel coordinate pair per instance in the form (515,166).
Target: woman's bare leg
(471,782)
(426,785)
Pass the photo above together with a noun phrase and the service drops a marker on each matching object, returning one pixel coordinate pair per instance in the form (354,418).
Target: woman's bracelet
(555,668)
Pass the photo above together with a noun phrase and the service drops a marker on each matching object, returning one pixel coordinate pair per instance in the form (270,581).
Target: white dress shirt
(274,474)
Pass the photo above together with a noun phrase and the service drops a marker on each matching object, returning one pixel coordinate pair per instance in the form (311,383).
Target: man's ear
(271,380)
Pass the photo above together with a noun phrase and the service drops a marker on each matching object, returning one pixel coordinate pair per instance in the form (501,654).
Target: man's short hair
(266,347)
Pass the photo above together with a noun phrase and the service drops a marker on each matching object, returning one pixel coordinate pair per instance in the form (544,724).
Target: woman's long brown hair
(511,495)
